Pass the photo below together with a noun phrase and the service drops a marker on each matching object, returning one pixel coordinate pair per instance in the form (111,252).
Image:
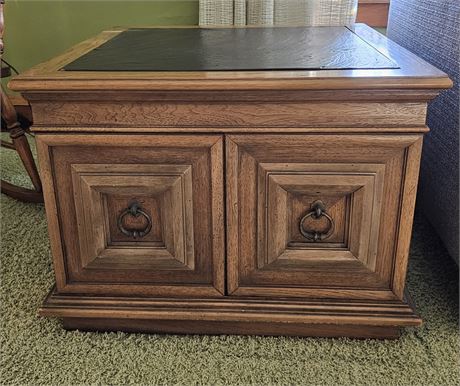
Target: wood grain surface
(377,319)
(227,115)
(93,167)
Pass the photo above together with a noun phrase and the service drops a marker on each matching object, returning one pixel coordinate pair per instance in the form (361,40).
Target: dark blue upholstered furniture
(431,29)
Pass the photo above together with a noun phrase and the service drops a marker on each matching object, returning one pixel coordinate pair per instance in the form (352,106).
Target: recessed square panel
(104,195)
(288,224)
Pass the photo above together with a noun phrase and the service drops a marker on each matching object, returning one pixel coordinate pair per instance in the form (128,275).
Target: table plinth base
(242,316)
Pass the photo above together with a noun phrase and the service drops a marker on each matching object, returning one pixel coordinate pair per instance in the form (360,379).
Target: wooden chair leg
(7,145)
(22,147)
(20,193)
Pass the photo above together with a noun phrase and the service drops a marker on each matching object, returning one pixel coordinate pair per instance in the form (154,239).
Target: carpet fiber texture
(36,350)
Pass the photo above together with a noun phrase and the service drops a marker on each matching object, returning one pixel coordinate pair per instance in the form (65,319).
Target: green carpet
(36,350)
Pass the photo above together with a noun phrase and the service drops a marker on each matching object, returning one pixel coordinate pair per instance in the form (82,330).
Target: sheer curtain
(278,12)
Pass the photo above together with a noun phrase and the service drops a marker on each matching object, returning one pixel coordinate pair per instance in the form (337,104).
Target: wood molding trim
(293,317)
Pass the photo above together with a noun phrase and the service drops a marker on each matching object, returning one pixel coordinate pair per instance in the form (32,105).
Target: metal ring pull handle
(134,210)
(318,210)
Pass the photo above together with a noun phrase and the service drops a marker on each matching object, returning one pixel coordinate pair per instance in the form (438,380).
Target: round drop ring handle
(317,211)
(134,210)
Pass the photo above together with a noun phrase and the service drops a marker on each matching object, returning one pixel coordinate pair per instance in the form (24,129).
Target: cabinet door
(135,214)
(320,215)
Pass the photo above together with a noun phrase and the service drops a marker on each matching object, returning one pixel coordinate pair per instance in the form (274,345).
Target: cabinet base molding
(243,316)
(198,327)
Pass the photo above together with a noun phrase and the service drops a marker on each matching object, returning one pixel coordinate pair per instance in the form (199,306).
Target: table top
(192,58)
(233,49)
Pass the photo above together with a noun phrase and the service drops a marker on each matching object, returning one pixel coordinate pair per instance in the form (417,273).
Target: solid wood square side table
(242,181)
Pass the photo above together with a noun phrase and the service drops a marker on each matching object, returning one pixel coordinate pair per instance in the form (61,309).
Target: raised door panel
(134,210)
(136,215)
(317,215)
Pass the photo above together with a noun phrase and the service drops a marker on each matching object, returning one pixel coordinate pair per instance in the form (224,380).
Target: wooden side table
(249,181)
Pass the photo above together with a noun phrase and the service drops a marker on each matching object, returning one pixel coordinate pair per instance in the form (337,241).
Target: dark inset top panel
(233,49)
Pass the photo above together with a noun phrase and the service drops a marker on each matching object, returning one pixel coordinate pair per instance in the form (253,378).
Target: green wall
(37,30)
